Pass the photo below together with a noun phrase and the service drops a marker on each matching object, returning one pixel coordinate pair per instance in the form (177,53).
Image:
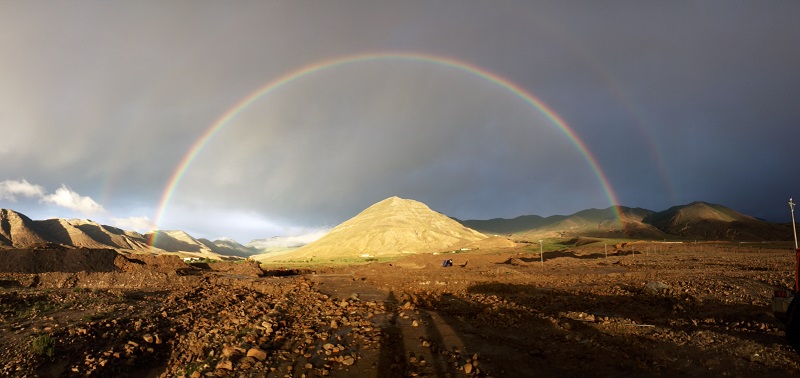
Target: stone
(257,354)
(349,360)
(228,351)
(148,338)
(468,368)
(656,286)
(225,365)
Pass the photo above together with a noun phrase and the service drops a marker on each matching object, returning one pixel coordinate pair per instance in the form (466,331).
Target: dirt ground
(642,310)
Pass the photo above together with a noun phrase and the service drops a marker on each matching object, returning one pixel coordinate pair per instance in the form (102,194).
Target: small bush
(43,345)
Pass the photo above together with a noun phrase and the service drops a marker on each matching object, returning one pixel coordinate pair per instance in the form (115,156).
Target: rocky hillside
(390,227)
(19,231)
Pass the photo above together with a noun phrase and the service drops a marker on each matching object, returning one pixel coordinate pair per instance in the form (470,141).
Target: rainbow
(328,64)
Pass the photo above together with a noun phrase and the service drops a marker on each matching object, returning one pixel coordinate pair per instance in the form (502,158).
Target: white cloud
(67,198)
(138,224)
(10,189)
(288,241)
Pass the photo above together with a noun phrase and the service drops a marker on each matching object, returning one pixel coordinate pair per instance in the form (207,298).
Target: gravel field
(644,310)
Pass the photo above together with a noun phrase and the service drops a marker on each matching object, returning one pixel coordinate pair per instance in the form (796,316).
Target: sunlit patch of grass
(43,345)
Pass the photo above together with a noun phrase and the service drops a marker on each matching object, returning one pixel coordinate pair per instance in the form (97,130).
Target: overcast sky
(678,101)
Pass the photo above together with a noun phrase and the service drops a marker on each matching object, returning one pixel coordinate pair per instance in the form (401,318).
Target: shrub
(43,345)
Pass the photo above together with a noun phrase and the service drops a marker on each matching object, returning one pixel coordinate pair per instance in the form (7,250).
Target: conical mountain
(390,227)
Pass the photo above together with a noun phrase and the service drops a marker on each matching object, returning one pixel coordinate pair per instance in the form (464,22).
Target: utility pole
(541,251)
(791,206)
(796,252)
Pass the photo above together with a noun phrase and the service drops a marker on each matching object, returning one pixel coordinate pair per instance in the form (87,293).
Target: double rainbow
(288,78)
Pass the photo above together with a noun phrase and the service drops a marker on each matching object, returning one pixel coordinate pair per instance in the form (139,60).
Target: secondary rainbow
(328,64)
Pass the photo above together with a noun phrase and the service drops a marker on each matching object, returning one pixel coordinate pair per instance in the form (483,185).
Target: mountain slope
(111,236)
(619,221)
(697,220)
(228,247)
(63,232)
(507,226)
(590,222)
(711,221)
(390,227)
(17,230)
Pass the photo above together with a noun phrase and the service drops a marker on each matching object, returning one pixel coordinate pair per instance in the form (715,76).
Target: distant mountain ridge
(697,220)
(711,221)
(700,220)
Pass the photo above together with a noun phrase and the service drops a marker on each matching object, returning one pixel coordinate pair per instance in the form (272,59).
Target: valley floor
(680,310)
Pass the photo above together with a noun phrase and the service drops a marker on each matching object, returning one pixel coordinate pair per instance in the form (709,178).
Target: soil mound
(58,260)
(159,263)
(516,262)
(244,268)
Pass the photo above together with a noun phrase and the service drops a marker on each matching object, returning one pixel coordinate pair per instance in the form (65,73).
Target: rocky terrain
(637,309)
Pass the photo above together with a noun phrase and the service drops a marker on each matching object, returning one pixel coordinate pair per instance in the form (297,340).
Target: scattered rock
(225,365)
(257,354)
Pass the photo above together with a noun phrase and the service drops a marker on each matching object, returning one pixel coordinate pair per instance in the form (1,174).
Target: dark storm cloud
(679,101)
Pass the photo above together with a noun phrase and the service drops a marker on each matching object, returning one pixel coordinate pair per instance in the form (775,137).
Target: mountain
(175,240)
(17,230)
(590,222)
(507,226)
(111,236)
(697,220)
(395,226)
(703,220)
(63,232)
(390,227)
(228,247)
